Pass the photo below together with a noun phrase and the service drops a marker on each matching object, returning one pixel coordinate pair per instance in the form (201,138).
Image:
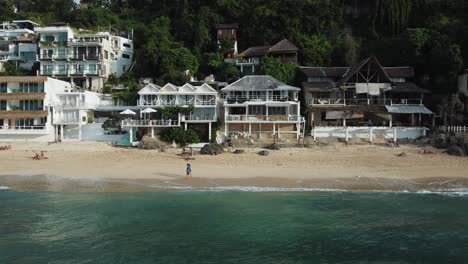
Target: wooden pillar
(209,131)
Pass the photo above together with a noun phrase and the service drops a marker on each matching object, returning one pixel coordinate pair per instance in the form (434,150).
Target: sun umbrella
(127,112)
(148,110)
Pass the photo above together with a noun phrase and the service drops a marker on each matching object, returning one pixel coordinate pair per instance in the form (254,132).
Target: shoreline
(94,166)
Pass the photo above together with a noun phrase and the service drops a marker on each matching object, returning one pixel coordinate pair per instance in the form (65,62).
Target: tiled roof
(257,83)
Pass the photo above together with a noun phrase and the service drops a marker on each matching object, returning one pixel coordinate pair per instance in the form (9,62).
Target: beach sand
(94,166)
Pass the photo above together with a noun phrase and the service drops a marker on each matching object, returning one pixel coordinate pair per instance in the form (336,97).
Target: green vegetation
(113,124)
(180,136)
(285,72)
(175,39)
(172,112)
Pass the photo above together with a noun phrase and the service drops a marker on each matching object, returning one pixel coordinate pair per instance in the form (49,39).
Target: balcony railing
(265,118)
(150,123)
(17,130)
(257,98)
(342,102)
(74,56)
(66,121)
(76,72)
(198,118)
(180,102)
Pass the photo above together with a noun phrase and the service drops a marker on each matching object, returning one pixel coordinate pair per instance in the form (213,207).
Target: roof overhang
(408,109)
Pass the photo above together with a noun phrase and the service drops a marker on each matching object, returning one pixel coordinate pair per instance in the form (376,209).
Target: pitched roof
(227,26)
(283,46)
(186,88)
(255,51)
(169,87)
(149,89)
(258,82)
(334,72)
(205,88)
(370,62)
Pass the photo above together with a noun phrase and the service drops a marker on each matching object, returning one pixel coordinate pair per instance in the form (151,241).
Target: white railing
(15,130)
(205,102)
(462,129)
(150,123)
(369,133)
(258,98)
(173,102)
(262,118)
(370,101)
(70,72)
(199,118)
(67,121)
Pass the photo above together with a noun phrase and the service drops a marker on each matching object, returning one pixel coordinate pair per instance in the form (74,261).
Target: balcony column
(370,134)
(152,132)
(391,120)
(279,125)
(250,129)
(419,119)
(61,132)
(79,131)
(130,132)
(260,131)
(412,119)
(185,125)
(209,131)
(274,129)
(298,130)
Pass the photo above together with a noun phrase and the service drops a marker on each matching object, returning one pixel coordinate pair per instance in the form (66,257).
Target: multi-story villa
(18,43)
(85,59)
(26,107)
(261,106)
(202,98)
(363,97)
(249,61)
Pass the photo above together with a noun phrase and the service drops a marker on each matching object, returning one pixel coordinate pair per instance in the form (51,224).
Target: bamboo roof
(32,79)
(22,114)
(22,96)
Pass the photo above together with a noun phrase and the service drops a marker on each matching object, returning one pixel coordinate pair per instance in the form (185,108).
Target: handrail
(357,101)
(134,122)
(22,127)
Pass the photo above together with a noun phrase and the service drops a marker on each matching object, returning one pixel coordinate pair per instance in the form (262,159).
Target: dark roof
(319,87)
(258,51)
(282,46)
(258,83)
(335,72)
(255,51)
(371,62)
(407,87)
(399,72)
(227,26)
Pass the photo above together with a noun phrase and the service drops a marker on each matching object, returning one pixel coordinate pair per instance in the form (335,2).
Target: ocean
(233,226)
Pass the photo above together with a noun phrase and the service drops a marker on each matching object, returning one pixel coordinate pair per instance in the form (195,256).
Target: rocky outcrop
(264,153)
(456,150)
(212,149)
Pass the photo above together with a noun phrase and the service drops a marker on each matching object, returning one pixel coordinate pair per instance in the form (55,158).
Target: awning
(408,109)
(330,115)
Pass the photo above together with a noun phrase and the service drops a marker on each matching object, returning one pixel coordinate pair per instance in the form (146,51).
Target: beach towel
(374,88)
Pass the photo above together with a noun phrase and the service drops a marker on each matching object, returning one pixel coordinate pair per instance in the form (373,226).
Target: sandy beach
(82,166)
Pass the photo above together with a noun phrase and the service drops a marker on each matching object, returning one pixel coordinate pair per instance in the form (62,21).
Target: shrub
(113,124)
(180,136)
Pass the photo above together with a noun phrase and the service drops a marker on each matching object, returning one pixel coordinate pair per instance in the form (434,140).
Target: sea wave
(448,192)
(4,187)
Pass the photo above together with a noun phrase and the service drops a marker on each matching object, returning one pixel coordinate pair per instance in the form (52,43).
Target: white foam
(4,187)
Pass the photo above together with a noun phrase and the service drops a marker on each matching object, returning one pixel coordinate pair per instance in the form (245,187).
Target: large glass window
(3,87)
(3,104)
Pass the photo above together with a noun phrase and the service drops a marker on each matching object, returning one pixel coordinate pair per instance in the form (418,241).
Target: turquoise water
(233,227)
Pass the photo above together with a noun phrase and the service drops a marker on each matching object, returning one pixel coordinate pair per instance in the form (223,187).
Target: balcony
(23,130)
(352,102)
(179,102)
(18,95)
(198,118)
(66,121)
(150,123)
(71,72)
(257,98)
(12,114)
(264,118)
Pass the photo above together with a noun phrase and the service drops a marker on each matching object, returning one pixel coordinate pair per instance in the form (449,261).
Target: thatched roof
(22,114)
(22,96)
(255,51)
(283,46)
(31,79)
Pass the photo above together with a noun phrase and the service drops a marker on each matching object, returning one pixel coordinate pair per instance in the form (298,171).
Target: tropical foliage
(180,136)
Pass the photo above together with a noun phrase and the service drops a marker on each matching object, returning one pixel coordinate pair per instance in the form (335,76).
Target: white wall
(363,132)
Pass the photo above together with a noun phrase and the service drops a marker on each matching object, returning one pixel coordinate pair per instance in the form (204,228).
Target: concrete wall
(94,132)
(363,132)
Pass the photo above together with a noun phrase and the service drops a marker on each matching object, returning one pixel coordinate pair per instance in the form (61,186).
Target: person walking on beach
(189,171)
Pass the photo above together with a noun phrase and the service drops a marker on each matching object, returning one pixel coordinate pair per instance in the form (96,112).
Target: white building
(202,98)
(18,43)
(85,59)
(260,105)
(72,110)
(26,107)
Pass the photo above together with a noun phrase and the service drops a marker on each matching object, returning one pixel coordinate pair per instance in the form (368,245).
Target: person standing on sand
(189,170)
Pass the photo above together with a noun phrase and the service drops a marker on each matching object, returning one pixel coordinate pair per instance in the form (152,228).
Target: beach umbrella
(127,112)
(148,110)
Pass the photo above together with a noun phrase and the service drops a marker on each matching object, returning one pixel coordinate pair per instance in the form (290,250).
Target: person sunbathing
(8,147)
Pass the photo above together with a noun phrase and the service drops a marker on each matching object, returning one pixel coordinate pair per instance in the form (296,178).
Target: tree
(227,72)
(9,69)
(180,136)
(316,50)
(285,72)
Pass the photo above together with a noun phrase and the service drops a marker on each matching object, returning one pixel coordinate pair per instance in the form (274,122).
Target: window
(92,68)
(125,56)
(49,38)
(127,45)
(3,87)
(124,67)
(62,69)
(2,105)
(106,54)
(276,110)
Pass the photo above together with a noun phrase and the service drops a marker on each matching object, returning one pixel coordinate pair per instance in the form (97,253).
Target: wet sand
(91,166)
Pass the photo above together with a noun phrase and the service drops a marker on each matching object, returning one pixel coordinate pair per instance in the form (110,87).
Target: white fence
(463,129)
(370,133)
